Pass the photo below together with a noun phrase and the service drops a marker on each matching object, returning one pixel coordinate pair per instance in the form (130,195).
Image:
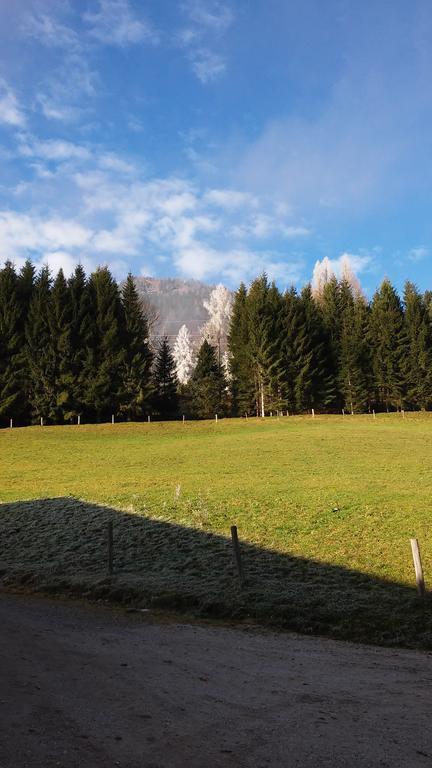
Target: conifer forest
(81,347)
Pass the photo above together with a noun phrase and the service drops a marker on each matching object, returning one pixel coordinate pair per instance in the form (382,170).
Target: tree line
(330,349)
(80,347)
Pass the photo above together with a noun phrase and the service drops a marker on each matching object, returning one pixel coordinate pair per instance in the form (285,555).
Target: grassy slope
(279,480)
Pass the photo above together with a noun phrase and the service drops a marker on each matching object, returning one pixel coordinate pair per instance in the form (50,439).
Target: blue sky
(214,139)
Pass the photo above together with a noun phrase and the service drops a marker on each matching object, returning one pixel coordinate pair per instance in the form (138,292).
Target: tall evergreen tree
(240,362)
(60,319)
(137,357)
(11,343)
(354,358)
(40,351)
(387,340)
(417,362)
(105,353)
(264,311)
(207,385)
(315,383)
(82,340)
(165,398)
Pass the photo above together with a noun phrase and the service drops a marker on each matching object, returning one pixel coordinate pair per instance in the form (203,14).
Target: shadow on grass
(60,546)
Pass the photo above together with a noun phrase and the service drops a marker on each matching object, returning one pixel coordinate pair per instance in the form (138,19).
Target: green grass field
(347,493)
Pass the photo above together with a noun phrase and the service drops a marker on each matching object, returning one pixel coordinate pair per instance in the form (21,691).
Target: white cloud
(48,31)
(209,14)
(230,198)
(54,149)
(10,110)
(114,23)
(22,233)
(418,253)
(207,20)
(207,65)
(90,204)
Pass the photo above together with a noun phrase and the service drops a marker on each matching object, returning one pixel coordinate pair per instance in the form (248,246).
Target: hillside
(175,302)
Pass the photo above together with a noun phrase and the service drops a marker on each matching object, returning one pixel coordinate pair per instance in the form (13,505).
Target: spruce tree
(60,318)
(207,385)
(11,347)
(40,351)
(294,346)
(354,358)
(105,353)
(242,375)
(137,355)
(264,310)
(82,340)
(315,383)
(417,363)
(165,398)
(387,339)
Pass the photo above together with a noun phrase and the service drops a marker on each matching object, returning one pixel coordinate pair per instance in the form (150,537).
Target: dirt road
(86,687)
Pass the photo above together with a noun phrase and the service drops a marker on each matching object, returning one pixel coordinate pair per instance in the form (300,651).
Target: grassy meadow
(339,495)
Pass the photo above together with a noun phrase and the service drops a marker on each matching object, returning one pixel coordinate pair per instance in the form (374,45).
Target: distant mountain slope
(176,302)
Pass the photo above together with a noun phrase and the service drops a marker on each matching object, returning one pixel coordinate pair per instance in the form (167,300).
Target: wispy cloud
(50,31)
(206,20)
(115,23)
(418,253)
(206,64)
(11,112)
(209,14)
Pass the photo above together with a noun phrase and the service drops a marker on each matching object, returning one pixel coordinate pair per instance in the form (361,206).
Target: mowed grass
(341,491)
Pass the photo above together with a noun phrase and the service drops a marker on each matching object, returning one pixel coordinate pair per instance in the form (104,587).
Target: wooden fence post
(415,549)
(11,424)
(112,419)
(110,547)
(237,553)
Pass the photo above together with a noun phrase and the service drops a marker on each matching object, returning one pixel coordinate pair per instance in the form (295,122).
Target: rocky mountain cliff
(172,302)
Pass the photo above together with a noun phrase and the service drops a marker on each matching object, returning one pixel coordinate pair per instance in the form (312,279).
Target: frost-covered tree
(183,355)
(325,271)
(219,307)
(322,274)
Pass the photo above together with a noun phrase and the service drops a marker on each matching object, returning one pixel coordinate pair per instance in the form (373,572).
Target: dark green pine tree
(137,357)
(165,397)
(60,320)
(26,284)
(207,385)
(354,358)
(102,374)
(12,394)
(315,384)
(294,346)
(387,338)
(40,351)
(264,311)
(82,340)
(331,305)
(417,363)
(242,375)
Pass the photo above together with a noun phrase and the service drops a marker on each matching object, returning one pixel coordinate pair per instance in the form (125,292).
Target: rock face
(172,302)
